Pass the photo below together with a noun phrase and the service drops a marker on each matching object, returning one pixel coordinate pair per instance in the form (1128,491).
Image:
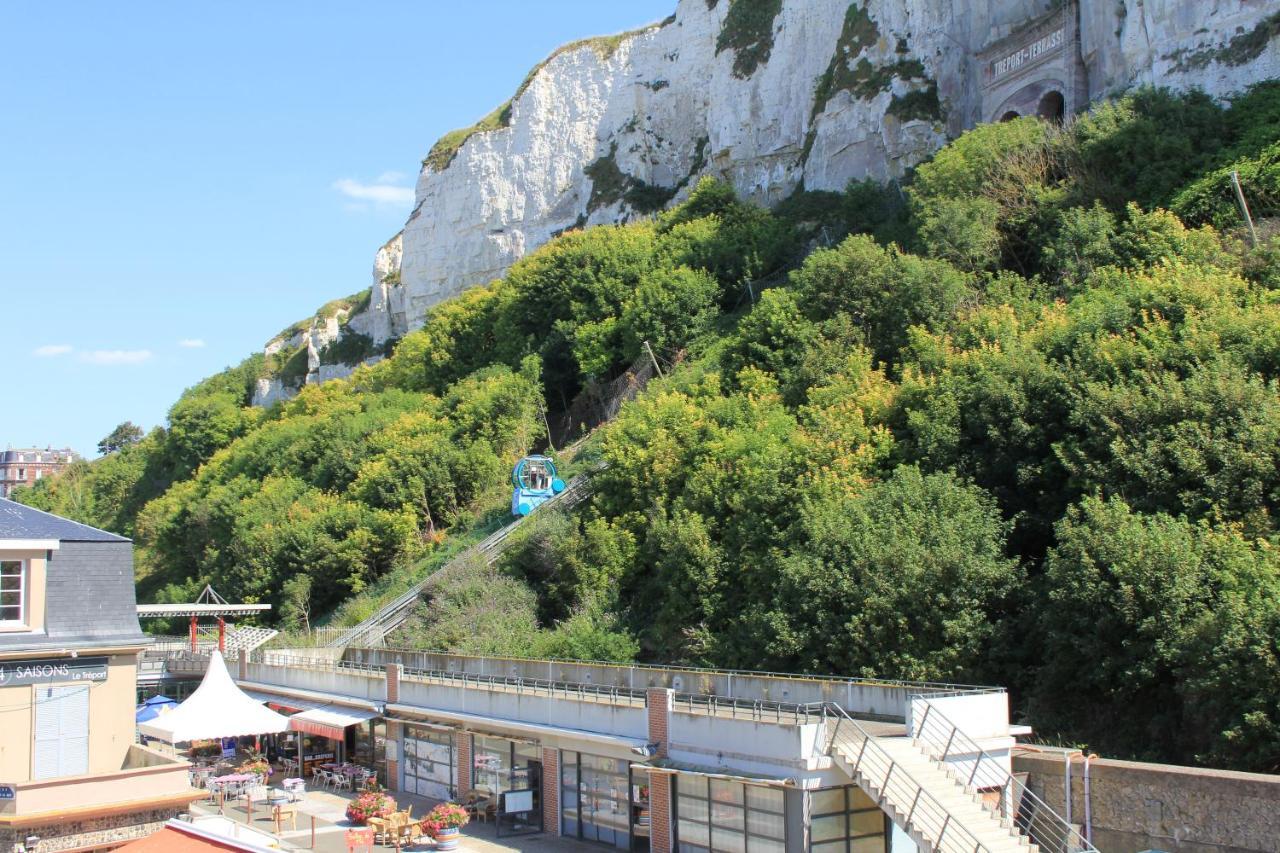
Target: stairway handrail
(924,805)
(1033,816)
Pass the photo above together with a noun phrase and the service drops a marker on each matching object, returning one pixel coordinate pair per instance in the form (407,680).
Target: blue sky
(178,181)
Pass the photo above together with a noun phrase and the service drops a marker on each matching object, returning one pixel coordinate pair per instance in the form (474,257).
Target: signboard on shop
(14,673)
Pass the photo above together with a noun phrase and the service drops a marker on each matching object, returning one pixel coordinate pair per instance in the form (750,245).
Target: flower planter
(447,838)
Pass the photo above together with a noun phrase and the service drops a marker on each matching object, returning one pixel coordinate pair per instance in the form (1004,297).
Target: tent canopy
(217,709)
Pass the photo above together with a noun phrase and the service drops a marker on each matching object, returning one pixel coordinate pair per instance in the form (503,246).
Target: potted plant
(370,804)
(257,765)
(444,823)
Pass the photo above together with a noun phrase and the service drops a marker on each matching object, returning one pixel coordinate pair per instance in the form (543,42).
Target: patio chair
(341,781)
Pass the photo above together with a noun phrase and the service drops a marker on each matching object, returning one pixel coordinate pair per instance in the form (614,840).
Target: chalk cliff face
(613,128)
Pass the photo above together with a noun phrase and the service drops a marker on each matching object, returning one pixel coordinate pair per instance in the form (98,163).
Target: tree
(905,580)
(1158,638)
(126,434)
(295,609)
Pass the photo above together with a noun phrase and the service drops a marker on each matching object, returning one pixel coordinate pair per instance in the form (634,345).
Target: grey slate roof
(23,522)
(89,597)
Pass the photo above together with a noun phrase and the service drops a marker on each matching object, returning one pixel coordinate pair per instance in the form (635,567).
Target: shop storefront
(326,733)
(604,800)
(367,746)
(846,820)
(720,814)
(509,774)
(429,762)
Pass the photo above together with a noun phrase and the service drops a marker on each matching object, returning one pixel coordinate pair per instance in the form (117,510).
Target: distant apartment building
(72,776)
(24,465)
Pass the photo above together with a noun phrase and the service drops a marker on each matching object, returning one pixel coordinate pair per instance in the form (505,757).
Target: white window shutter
(62,732)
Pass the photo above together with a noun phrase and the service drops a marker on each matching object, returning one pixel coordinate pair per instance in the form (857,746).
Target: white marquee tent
(217,709)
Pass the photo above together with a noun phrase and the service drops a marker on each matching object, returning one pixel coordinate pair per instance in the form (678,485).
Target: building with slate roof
(71,772)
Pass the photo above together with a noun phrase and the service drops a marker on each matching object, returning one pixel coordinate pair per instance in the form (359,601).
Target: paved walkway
(326,810)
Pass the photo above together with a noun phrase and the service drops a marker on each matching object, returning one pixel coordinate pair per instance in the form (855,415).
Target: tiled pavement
(328,809)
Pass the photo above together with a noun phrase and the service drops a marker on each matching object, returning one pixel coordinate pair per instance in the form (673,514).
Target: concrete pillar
(394,746)
(244,665)
(462,754)
(551,791)
(394,671)
(658,703)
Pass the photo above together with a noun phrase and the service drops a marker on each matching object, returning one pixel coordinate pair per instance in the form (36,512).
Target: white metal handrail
(1033,817)
(925,814)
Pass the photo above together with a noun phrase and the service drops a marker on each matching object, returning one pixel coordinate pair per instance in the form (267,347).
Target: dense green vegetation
(1017,420)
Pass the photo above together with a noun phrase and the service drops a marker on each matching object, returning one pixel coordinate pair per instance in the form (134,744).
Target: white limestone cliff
(605,126)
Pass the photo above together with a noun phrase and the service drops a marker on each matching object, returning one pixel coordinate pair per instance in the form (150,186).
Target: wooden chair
(282,813)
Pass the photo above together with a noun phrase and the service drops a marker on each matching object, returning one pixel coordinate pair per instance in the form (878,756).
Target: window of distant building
(22,473)
(13,592)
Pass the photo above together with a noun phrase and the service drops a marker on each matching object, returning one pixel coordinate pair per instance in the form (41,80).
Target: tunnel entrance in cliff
(1036,70)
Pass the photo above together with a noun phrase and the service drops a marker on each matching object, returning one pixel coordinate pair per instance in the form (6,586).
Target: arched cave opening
(1052,107)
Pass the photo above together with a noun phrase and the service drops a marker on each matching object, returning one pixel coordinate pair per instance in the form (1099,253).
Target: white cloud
(191,343)
(380,192)
(51,350)
(390,178)
(116,356)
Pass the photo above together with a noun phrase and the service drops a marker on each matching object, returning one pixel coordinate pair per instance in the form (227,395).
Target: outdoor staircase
(963,808)
(947,792)
(373,631)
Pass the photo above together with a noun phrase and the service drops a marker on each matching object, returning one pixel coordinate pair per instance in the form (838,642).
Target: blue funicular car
(535,482)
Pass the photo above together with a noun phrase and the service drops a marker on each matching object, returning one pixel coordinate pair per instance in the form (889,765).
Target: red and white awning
(309,716)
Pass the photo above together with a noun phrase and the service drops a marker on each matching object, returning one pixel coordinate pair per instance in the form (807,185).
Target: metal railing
(374,630)
(758,711)
(918,809)
(515,684)
(942,739)
(934,689)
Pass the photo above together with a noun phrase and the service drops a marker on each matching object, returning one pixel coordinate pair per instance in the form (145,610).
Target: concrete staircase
(921,796)
(372,632)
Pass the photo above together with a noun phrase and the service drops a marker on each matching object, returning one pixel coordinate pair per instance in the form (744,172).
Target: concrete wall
(743,745)
(886,699)
(111,714)
(1137,806)
(16,721)
(978,715)
(541,709)
(357,685)
(159,778)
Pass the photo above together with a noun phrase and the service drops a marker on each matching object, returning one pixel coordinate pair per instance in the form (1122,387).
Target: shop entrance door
(520,809)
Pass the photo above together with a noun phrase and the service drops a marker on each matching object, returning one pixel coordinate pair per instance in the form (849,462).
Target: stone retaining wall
(1137,806)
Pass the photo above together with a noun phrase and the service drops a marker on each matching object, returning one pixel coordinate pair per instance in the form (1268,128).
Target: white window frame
(24,582)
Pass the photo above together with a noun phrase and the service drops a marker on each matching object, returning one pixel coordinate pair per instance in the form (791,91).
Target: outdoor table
(295,787)
(231,778)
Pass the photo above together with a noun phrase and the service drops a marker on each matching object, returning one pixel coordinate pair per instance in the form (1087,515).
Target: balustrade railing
(1008,797)
(918,809)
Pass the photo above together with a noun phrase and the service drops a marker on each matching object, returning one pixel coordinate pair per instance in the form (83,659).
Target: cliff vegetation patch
(748,32)
(609,185)
(446,148)
(851,71)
